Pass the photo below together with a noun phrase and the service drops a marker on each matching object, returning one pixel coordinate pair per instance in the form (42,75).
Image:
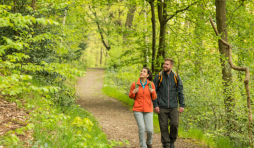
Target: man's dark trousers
(165,115)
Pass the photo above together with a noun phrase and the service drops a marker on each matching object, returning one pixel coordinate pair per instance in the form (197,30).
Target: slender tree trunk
(33,4)
(106,55)
(64,19)
(98,59)
(15,11)
(198,31)
(65,14)
(146,40)
(15,6)
(103,40)
(151,2)
(226,68)
(162,14)
(101,58)
(129,20)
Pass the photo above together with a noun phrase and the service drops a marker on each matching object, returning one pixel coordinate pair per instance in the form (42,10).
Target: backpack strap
(136,85)
(176,78)
(160,79)
(161,76)
(150,85)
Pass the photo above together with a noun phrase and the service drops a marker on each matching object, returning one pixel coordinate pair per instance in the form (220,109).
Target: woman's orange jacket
(143,98)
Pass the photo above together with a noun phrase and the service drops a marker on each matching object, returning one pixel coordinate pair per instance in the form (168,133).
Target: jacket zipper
(143,98)
(168,92)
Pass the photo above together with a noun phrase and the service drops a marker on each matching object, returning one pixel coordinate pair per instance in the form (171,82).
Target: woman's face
(144,73)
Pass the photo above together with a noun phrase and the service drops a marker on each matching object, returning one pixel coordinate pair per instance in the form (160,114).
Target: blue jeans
(145,124)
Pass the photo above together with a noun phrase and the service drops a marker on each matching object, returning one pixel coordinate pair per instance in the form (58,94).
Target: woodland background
(44,44)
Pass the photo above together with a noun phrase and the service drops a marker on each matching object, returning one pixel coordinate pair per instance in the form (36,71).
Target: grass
(112,92)
(197,134)
(54,126)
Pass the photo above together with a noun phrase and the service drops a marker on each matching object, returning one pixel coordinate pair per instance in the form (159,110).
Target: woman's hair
(150,77)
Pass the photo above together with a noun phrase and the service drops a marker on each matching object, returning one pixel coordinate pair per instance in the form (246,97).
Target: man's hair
(170,60)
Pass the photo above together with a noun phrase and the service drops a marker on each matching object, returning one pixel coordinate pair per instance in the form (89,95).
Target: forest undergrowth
(53,120)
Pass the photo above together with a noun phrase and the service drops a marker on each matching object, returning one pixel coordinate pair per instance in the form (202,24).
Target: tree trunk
(106,55)
(226,68)
(151,2)
(107,45)
(199,49)
(33,4)
(15,6)
(129,20)
(162,14)
(101,58)
(246,83)
(64,19)
(161,49)
(146,40)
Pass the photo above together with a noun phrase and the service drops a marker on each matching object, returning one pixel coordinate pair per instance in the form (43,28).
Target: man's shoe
(149,146)
(172,145)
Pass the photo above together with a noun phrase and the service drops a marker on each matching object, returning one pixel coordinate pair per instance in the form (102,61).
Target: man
(166,104)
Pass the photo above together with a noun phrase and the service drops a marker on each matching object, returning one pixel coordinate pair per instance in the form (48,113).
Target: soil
(116,120)
(12,118)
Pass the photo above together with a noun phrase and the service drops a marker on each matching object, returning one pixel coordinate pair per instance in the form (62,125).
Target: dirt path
(116,120)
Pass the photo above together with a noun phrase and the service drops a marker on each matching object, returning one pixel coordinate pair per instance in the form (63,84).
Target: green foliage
(38,43)
(74,128)
(35,49)
(57,126)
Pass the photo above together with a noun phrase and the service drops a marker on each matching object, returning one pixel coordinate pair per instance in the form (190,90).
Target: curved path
(116,120)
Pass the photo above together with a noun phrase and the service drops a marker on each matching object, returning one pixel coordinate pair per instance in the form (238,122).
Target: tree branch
(178,11)
(100,30)
(231,18)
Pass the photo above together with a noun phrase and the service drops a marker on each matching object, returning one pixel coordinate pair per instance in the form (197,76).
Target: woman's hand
(135,90)
(151,90)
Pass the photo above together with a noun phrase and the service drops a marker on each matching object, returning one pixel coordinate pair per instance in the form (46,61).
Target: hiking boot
(172,145)
(149,146)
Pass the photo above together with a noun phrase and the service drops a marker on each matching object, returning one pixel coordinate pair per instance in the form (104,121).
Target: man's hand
(181,109)
(151,90)
(157,110)
(135,90)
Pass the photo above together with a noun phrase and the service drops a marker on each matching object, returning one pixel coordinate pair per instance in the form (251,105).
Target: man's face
(167,66)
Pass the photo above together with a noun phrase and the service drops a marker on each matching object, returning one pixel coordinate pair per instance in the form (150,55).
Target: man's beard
(167,70)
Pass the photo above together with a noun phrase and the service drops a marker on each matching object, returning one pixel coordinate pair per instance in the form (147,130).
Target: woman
(143,92)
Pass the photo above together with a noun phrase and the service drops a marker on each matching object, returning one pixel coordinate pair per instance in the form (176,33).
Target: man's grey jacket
(167,92)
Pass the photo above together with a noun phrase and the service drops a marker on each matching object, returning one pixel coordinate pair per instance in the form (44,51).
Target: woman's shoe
(149,146)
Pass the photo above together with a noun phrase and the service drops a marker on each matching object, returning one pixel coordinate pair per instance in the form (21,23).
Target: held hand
(135,90)
(151,90)
(157,110)
(181,109)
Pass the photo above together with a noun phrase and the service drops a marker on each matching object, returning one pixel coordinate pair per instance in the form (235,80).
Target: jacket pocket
(137,103)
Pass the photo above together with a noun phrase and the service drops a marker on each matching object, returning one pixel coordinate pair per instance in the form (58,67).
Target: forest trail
(116,120)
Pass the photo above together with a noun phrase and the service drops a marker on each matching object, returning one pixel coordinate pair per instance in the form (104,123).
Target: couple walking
(161,94)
